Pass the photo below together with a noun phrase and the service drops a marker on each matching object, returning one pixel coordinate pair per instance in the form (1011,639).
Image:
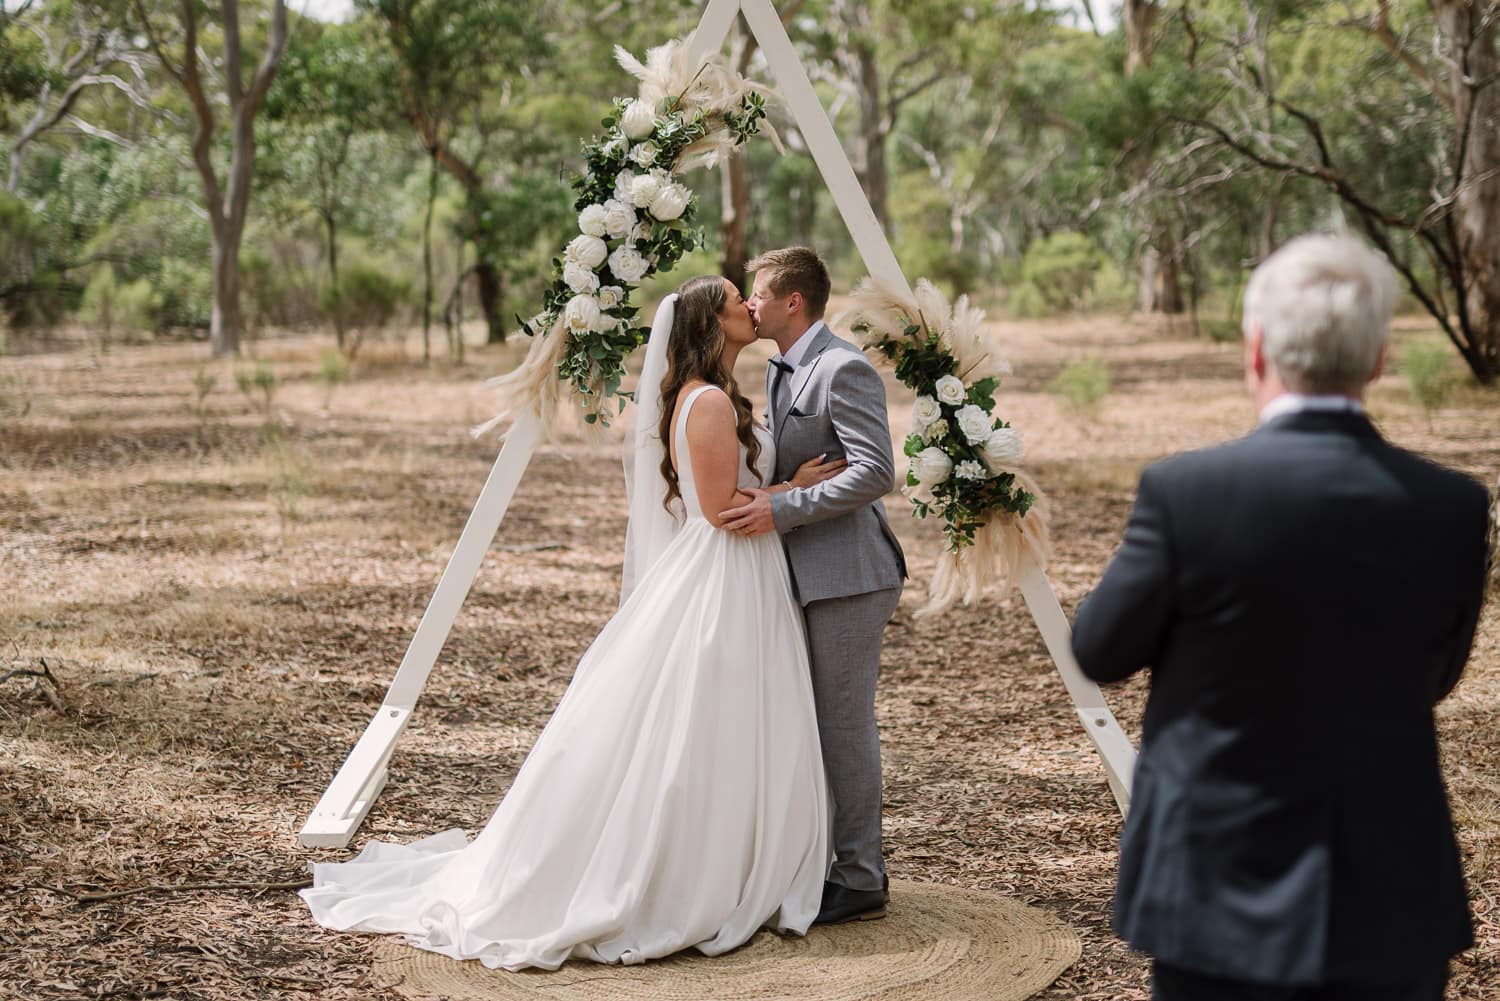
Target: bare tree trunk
(871,168)
(733,230)
(229,203)
(1474,64)
(1160,284)
(1139,17)
(330,225)
(432,184)
(1146,280)
(224,327)
(491,296)
(1169,277)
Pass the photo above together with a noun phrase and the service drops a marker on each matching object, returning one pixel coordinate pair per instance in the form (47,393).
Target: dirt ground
(221,584)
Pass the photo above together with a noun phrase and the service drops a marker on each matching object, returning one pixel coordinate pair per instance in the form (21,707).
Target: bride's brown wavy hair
(695,353)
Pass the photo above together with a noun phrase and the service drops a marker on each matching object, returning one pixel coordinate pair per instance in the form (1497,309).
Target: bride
(676,798)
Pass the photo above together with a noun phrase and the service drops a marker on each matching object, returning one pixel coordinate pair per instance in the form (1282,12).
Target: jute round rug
(937,943)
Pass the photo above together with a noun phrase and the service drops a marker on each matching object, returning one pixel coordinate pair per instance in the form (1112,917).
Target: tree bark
(491,297)
(1139,17)
(1470,37)
(733,229)
(871,168)
(224,327)
(432,184)
(330,226)
(1160,281)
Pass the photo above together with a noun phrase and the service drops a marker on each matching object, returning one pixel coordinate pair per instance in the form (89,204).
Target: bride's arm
(714,451)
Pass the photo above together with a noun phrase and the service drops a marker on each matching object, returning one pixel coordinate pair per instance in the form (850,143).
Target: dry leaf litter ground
(220,607)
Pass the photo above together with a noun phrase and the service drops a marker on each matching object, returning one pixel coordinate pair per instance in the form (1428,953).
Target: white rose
(950,390)
(931,466)
(670,202)
(627,264)
(645,154)
(581,313)
(580,278)
(640,231)
(606,323)
(924,411)
(974,423)
(1003,448)
(971,470)
(643,190)
(623,180)
(590,251)
(591,221)
(618,218)
(936,431)
(611,296)
(638,119)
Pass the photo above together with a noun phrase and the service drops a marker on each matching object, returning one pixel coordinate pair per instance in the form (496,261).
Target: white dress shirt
(1296,403)
(793,356)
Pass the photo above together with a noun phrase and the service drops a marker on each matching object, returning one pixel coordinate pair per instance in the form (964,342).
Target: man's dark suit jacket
(1303,596)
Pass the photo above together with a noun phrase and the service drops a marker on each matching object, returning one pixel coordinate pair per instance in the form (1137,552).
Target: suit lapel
(771,420)
(803,374)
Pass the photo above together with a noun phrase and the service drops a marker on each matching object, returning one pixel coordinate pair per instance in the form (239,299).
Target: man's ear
(794,303)
(1255,355)
(1379,363)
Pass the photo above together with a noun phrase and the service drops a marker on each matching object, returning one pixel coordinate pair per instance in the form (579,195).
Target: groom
(826,398)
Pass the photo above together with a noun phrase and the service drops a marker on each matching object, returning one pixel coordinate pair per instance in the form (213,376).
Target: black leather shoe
(842,904)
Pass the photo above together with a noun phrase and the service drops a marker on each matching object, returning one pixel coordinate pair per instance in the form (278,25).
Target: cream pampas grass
(533,386)
(709,85)
(1005,541)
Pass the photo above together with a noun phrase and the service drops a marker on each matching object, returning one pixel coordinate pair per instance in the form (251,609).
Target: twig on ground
(53,694)
(94,898)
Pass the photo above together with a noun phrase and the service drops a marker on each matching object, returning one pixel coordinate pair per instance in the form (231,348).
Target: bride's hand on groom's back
(815,471)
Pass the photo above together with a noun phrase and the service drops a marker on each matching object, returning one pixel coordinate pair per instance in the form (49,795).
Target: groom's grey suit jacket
(838,542)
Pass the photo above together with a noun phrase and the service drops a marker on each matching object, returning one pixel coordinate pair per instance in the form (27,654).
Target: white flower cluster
(935,418)
(652,195)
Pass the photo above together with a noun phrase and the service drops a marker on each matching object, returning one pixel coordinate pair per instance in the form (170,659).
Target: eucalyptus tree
(329,104)
(76,45)
(453,60)
(1392,113)
(202,48)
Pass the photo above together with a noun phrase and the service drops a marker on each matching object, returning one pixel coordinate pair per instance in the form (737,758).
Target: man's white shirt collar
(1297,403)
(793,356)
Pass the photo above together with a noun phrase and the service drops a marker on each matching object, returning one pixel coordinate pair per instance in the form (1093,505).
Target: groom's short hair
(796,269)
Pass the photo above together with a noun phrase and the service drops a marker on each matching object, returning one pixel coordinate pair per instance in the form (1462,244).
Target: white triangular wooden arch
(359,781)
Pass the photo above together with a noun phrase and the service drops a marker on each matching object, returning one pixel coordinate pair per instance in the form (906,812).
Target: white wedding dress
(675,799)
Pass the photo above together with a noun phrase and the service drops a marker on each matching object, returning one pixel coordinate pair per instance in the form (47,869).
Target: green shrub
(1082,383)
(1429,371)
(1061,269)
(333,371)
(261,379)
(109,306)
(187,295)
(368,298)
(1222,331)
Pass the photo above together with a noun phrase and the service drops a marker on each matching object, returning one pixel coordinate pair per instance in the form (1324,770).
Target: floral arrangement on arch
(963,460)
(634,220)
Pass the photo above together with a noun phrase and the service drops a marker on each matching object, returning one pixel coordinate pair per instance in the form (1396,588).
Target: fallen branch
(53,694)
(94,898)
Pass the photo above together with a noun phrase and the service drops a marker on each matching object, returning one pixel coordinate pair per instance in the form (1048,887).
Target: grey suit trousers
(844,637)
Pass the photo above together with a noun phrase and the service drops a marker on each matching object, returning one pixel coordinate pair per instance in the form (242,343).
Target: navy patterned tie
(783,369)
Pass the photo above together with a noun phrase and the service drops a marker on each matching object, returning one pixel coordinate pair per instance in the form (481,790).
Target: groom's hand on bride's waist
(750,519)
